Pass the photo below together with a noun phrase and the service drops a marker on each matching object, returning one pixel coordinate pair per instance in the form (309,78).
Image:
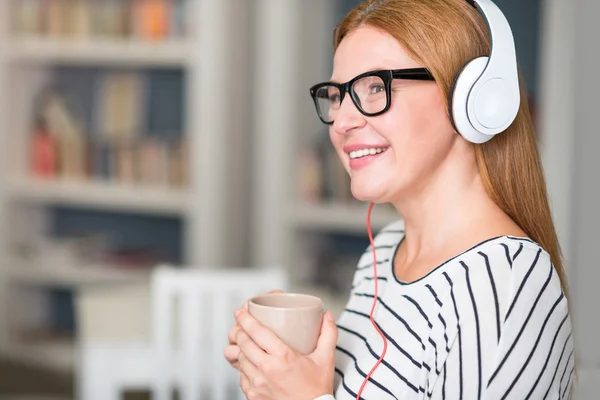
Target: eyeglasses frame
(386,75)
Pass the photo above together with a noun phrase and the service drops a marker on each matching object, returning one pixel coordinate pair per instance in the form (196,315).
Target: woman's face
(415,133)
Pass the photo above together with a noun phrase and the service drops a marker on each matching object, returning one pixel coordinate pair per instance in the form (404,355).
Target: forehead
(366,49)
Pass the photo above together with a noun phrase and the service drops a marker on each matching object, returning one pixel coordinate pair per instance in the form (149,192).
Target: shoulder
(505,260)
(509,275)
(535,283)
(507,317)
(521,265)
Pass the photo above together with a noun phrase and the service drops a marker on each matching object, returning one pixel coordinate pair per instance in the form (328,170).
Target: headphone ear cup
(451,97)
(459,97)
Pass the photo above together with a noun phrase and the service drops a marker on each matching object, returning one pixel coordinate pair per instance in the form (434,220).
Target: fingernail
(237,313)
(329,316)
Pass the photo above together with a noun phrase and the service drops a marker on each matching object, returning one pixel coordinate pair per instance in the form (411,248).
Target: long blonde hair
(444,35)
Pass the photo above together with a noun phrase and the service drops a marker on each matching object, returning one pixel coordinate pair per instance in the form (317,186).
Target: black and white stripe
(490,323)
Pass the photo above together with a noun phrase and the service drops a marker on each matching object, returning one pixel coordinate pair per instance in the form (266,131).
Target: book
(125,162)
(80,18)
(138,19)
(56,18)
(43,154)
(154,18)
(27,17)
(149,161)
(178,19)
(119,105)
(178,160)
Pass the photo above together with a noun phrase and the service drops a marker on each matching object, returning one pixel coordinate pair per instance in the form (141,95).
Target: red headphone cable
(374,303)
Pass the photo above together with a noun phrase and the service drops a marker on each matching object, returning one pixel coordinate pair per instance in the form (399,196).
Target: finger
(250,370)
(233,333)
(327,339)
(232,354)
(250,350)
(262,336)
(244,383)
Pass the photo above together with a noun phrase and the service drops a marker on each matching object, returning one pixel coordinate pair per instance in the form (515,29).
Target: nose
(348,117)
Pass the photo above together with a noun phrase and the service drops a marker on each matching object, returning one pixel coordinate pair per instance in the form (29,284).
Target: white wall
(586,186)
(569,93)
(556,97)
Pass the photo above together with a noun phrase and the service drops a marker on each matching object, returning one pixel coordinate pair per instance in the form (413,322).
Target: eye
(376,88)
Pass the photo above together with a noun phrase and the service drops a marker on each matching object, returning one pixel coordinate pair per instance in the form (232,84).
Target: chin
(371,195)
(378,192)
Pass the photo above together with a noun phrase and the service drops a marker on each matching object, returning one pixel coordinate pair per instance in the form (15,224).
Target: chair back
(192,312)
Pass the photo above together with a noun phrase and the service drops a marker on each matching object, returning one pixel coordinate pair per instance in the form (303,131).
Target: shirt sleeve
(510,342)
(326,397)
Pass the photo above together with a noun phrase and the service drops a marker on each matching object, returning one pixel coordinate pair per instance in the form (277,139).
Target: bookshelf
(116,52)
(184,186)
(108,196)
(58,354)
(74,277)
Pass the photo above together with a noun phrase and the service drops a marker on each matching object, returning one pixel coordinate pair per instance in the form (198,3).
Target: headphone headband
(486,96)
(503,56)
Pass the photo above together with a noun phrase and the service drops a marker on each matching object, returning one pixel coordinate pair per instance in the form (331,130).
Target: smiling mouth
(367,152)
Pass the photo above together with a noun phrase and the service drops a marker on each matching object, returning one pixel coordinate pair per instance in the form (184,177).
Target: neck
(451,204)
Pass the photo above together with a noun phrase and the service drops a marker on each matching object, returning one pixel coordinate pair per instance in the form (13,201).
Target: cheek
(334,137)
(336,140)
(418,130)
(422,109)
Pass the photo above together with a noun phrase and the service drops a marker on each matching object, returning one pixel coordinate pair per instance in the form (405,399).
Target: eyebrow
(368,70)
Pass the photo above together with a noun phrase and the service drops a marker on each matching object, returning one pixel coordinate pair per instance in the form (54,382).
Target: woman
(471,291)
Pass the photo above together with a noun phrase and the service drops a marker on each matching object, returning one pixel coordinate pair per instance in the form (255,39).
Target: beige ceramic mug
(294,318)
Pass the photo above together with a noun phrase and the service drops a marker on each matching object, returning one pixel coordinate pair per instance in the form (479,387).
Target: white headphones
(485,96)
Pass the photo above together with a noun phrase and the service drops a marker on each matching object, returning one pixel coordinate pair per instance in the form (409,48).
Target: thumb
(328,338)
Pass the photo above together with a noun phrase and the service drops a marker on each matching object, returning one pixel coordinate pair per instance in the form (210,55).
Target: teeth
(366,152)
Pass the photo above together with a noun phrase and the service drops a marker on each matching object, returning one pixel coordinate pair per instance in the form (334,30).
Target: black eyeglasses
(370,92)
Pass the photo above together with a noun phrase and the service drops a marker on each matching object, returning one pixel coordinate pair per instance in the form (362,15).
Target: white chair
(191,313)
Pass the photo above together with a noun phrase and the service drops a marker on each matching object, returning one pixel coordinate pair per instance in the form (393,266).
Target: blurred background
(144,133)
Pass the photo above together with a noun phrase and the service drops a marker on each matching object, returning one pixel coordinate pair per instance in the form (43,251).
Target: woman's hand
(232,351)
(271,370)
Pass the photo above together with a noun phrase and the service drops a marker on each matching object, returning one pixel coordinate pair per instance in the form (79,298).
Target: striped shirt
(490,323)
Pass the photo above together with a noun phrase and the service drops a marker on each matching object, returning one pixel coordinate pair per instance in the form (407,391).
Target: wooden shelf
(99,195)
(99,51)
(51,354)
(331,217)
(75,277)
